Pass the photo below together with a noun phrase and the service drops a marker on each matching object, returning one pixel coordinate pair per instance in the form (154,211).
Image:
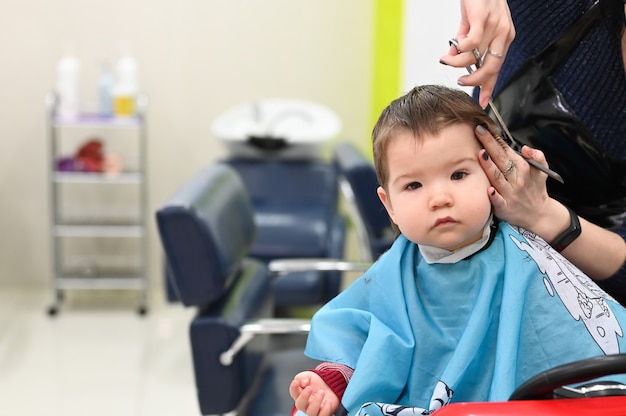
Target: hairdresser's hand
(486,25)
(519,194)
(520,198)
(312,396)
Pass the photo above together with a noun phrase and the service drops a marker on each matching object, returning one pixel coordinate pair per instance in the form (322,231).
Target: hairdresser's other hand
(520,196)
(312,396)
(487,26)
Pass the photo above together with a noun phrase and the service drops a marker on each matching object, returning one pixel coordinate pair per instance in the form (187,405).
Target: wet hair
(425,110)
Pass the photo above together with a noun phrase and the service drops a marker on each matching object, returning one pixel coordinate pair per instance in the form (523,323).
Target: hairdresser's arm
(487,26)
(521,198)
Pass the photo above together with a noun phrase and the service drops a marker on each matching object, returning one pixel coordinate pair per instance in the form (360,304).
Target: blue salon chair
(357,178)
(296,212)
(274,144)
(243,358)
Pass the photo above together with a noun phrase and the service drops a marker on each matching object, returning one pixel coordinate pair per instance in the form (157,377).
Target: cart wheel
(52,310)
(142,311)
(542,385)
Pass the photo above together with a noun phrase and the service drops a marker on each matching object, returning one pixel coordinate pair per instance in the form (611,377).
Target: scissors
(505,130)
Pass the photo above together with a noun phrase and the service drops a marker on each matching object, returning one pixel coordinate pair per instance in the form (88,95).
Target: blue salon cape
(423,335)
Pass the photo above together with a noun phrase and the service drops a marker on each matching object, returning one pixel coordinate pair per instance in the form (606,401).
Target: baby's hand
(312,396)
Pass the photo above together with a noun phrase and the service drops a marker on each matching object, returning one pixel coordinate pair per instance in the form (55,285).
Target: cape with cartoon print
(423,335)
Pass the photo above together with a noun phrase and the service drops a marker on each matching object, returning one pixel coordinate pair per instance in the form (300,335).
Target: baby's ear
(382,195)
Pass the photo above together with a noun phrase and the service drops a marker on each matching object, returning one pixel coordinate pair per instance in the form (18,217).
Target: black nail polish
(493,192)
(442,62)
(485,155)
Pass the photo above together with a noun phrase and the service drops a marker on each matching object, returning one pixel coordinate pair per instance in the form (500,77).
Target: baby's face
(437,190)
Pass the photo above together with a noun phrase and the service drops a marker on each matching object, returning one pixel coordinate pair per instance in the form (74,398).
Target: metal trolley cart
(98,203)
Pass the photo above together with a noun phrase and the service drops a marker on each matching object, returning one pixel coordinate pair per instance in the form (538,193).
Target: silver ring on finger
(509,169)
(494,53)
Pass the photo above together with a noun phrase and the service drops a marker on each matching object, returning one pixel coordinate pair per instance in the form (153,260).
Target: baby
(462,307)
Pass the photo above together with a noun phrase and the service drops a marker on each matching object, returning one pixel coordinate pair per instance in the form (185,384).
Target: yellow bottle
(125,90)
(123,105)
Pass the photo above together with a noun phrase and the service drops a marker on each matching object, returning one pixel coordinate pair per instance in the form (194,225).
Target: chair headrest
(206,230)
(359,172)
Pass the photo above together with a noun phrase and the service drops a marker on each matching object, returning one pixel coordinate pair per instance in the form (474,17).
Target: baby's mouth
(444,221)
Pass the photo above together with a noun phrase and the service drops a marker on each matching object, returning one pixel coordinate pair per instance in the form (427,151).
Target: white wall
(197,58)
(427,29)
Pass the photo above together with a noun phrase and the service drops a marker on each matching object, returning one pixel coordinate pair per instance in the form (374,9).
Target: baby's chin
(454,244)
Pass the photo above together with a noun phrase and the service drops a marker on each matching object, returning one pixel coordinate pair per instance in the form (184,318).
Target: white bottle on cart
(68,86)
(126,85)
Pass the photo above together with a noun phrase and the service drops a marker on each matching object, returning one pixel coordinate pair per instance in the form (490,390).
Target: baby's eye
(458,175)
(413,185)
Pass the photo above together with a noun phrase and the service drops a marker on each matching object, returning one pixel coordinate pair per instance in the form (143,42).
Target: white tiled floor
(97,357)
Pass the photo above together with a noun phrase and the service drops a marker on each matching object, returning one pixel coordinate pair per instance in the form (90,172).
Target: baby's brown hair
(425,110)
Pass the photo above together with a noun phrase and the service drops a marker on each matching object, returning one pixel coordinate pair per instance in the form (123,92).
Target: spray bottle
(105,89)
